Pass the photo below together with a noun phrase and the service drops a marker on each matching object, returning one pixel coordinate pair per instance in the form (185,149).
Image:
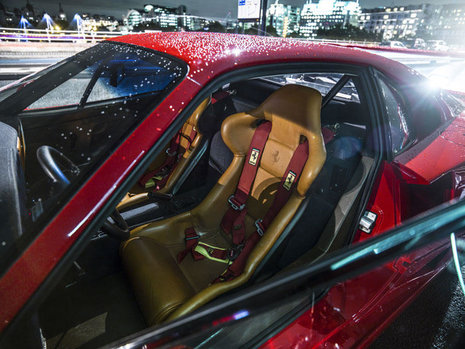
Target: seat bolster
(159,284)
(169,231)
(265,244)
(130,200)
(186,160)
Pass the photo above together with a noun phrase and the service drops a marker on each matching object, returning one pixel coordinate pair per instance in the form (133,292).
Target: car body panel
(353,313)
(212,54)
(446,151)
(208,56)
(350,311)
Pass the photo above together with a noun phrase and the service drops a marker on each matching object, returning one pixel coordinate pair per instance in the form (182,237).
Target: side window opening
(66,143)
(60,96)
(399,130)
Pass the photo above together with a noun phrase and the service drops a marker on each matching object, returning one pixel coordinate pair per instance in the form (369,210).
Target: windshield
(58,125)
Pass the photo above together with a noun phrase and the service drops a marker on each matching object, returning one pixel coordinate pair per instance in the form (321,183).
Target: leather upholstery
(139,194)
(166,290)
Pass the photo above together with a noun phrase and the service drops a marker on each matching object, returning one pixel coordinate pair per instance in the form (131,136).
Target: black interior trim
(373,102)
(335,90)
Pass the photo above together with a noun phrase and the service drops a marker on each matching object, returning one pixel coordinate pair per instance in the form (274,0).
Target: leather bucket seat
(166,287)
(186,152)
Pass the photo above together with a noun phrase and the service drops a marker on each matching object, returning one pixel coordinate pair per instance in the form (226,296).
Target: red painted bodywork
(350,312)
(445,152)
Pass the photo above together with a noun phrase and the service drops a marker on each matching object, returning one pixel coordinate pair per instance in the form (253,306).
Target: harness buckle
(194,237)
(234,205)
(173,153)
(259,226)
(235,252)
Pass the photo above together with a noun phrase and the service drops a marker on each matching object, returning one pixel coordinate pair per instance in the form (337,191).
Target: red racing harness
(158,178)
(233,220)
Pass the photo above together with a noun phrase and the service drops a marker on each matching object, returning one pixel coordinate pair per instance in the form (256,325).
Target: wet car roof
(210,54)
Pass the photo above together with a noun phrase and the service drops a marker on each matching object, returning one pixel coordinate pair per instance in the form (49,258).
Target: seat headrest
(297,105)
(294,111)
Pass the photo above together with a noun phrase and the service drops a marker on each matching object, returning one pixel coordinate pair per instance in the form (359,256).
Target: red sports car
(178,189)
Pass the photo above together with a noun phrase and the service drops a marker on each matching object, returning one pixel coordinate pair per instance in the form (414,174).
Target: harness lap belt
(236,257)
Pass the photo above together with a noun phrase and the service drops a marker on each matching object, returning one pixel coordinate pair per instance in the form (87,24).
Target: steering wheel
(119,228)
(55,164)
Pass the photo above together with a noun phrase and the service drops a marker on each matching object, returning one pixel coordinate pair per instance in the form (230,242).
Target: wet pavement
(436,319)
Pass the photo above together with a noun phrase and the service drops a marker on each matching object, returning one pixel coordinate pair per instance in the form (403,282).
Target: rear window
(323,82)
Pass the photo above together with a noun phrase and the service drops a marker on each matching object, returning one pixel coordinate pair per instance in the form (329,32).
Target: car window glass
(69,93)
(323,82)
(395,111)
(9,89)
(66,145)
(126,75)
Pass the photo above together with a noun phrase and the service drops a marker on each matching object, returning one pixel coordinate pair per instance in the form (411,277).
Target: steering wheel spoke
(55,164)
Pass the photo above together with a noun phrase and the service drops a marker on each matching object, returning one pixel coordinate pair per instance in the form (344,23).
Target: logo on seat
(290,178)
(254,156)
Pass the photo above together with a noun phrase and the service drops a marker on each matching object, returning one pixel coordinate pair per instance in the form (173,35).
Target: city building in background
(132,19)
(156,17)
(392,22)
(444,22)
(427,21)
(437,25)
(98,22)
(284,18)
(326,14)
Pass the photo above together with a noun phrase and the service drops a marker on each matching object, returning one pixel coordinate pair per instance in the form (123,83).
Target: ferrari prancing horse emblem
(254,156)
(289,180)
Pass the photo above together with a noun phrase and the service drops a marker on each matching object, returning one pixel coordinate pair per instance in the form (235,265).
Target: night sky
(206,8)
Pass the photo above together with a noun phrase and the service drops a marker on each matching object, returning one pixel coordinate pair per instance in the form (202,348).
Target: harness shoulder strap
(162,173)
(233,220)
(287,184)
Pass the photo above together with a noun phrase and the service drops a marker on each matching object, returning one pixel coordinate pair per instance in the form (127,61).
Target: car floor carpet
(91,314)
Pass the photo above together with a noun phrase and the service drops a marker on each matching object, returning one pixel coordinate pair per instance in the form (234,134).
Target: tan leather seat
(165,289)
(138,193)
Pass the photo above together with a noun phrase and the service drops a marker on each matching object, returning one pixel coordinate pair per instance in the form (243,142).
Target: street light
(264,7)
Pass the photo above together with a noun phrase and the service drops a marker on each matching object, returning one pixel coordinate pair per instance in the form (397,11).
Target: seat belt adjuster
(235,251)
(192,237)
(259,227)
(234,204)
(172,153)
